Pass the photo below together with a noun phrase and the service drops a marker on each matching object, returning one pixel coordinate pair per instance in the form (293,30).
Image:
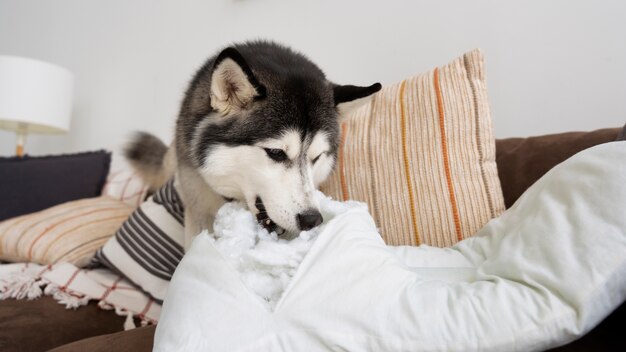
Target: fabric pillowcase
(126,186)
(31,184)
(421,154)
(149,245)
(69,232)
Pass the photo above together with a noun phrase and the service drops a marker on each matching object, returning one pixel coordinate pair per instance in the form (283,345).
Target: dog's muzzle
(306,220)
(264,219)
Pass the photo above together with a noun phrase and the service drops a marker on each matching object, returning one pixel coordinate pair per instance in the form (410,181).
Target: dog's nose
(309,219)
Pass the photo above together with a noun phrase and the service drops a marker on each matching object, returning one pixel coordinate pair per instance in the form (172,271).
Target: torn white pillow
(540,275)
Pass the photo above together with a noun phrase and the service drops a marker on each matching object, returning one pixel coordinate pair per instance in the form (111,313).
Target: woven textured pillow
(421,154)
(68,232)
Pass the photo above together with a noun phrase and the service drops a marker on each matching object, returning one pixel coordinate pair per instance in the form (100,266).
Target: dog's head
(266,130)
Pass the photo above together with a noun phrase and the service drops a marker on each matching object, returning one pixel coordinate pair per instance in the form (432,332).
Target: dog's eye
(316,159)
(276,154)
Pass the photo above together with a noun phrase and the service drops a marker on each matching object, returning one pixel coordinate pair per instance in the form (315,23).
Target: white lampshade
(35,96)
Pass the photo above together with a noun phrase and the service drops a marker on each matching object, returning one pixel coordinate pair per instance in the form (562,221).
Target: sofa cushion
(136,340)
(522,161)
(421,154)
(69,232)
(30,184)
(42,324)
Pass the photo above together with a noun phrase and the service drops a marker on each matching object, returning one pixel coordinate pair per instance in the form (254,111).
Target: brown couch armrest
(522,161)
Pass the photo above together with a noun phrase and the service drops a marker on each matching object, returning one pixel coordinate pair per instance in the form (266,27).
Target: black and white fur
(259,123)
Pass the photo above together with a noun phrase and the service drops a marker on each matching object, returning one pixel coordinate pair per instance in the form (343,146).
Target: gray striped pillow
(149,245)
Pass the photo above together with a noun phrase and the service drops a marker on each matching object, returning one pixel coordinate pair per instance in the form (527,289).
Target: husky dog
(259,123)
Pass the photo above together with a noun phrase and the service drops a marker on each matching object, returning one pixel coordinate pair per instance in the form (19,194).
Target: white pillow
(126,186)
(542,274)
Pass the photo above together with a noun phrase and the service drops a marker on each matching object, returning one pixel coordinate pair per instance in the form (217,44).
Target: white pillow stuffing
(265,262)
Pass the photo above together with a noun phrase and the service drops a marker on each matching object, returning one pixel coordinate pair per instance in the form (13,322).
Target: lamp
(35,97)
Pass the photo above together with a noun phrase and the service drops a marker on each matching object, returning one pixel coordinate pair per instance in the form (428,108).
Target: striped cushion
(422,155)
(147,247)
(69,232)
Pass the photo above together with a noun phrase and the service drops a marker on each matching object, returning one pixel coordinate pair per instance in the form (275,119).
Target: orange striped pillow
(421,154)
(69,232)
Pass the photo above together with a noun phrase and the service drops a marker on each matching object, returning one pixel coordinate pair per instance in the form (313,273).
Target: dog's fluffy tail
(151,158)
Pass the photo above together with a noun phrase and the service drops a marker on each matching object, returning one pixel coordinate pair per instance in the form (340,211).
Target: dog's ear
(233,85)
(348,98)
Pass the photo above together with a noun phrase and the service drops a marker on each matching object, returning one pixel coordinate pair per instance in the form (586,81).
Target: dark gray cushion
(31,184)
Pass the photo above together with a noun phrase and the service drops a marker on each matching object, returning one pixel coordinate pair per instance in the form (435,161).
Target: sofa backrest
(522,161)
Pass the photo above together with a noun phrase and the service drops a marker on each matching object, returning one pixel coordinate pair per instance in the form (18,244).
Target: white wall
(551,65)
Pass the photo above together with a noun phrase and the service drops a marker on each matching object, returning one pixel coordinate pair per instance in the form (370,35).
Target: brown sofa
(43,324)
